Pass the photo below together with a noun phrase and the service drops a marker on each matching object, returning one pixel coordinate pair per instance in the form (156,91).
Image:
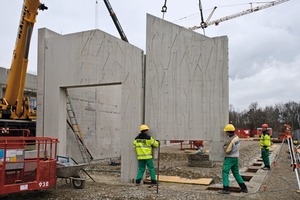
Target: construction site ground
(278,183)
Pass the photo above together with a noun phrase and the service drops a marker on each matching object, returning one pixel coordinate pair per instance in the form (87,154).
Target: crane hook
(164,9)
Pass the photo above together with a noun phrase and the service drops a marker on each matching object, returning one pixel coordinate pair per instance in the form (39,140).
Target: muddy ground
(279,183)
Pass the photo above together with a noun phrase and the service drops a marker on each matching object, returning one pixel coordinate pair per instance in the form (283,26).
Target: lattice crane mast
(245,12)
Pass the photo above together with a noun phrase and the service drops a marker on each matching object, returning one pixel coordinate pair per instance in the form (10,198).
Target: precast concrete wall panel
(98,112)
(186,83)
(92,59)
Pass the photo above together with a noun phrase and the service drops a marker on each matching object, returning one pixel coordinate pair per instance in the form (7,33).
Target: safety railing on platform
(27,163)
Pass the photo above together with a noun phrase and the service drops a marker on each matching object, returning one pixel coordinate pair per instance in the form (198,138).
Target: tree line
(275,116)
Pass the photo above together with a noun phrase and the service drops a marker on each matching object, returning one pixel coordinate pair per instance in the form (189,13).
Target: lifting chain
(164,9)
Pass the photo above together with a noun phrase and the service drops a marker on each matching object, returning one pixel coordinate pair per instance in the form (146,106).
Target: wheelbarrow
(71,172)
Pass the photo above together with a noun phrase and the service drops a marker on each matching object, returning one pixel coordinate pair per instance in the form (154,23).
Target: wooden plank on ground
(177,179)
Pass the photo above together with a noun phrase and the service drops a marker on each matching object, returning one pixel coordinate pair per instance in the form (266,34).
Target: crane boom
(245,12)
(115,20)
(13,104)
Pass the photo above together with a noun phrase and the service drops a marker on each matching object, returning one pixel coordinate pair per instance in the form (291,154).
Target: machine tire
(78,183)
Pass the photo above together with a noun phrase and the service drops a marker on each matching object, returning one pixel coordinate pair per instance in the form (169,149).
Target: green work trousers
(233,165)
(142,168)
(265,157)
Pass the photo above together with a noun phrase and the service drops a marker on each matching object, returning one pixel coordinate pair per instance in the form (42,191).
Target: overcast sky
(264,47)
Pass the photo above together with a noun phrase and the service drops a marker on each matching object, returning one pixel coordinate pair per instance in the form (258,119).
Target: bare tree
(275,116)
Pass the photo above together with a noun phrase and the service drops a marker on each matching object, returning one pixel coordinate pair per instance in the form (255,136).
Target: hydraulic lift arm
(13,105)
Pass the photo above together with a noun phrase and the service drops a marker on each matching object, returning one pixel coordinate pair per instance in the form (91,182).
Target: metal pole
(158,157)
(293,159)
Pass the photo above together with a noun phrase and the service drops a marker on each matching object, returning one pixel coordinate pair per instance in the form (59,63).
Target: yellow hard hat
(144,127)
(229,127)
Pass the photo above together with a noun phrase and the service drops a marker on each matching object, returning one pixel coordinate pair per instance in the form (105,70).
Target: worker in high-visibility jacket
(265,143)
(143,144)
(231,161)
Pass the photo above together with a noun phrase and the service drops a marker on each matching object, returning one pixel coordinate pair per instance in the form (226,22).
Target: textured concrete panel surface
(98,112)
(92,59)
(186,83)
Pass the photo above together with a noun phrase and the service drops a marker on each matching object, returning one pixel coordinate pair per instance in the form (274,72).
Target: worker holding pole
(143,144)
(231,161)
(265,143)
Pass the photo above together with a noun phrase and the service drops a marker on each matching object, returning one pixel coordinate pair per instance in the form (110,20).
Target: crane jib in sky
(245,12)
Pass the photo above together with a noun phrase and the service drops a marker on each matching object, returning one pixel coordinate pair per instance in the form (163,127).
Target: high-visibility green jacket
(265,140)
(143,144)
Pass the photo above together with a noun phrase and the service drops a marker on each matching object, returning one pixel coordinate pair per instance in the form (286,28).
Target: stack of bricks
(199,160)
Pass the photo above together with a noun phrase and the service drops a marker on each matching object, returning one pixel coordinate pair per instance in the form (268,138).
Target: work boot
(243,188)
(153,186)
(137,182)
(225,190)
(153,183)
(266,168)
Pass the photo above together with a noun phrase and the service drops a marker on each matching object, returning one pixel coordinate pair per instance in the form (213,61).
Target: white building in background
(30,85)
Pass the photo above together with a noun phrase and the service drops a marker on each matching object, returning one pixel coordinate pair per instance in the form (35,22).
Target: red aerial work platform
(27,163)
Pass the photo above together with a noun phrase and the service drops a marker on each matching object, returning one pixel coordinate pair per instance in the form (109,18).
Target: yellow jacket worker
(143,144)
(265,143)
